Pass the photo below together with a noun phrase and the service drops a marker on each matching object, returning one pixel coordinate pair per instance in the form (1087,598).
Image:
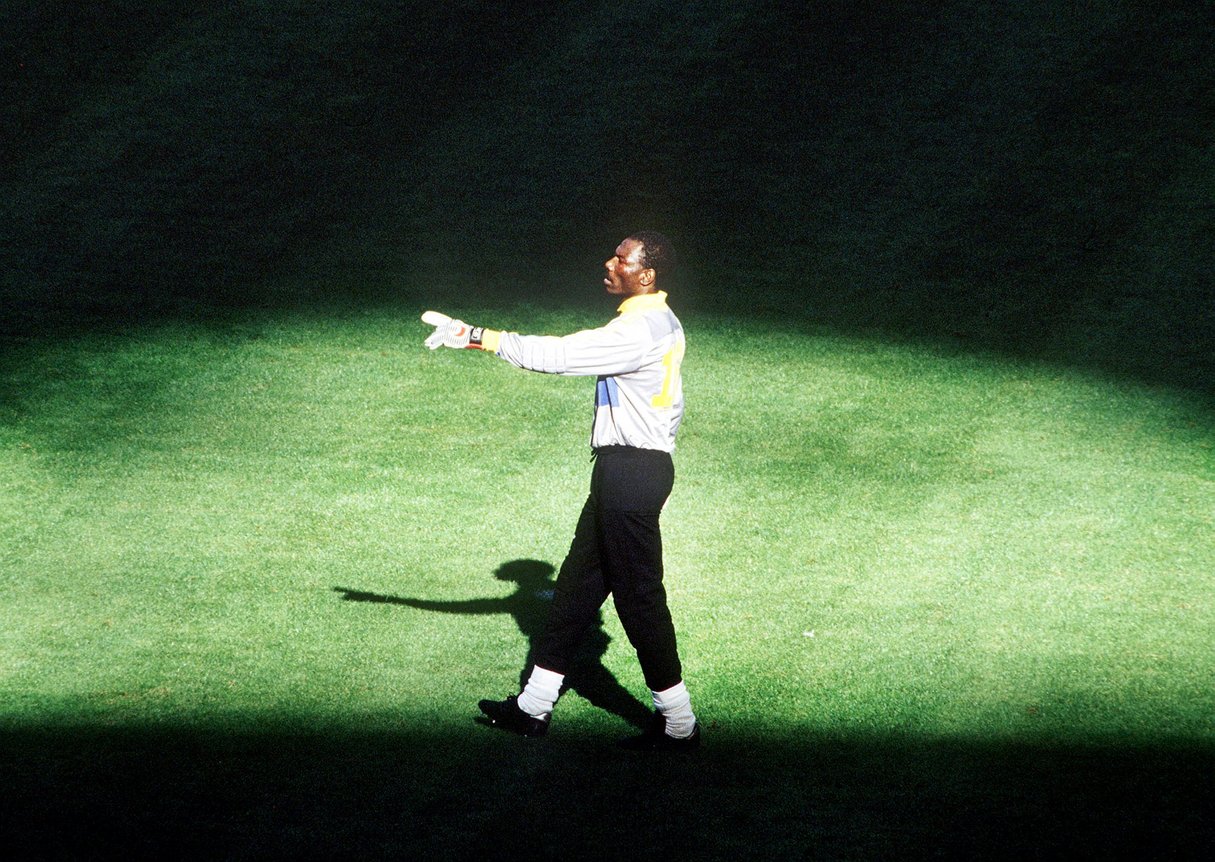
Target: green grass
(929,602)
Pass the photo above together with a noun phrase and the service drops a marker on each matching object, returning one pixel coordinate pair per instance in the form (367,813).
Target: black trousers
(617,550)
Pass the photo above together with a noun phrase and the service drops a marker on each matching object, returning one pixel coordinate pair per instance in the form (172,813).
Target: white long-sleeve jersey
(636,357)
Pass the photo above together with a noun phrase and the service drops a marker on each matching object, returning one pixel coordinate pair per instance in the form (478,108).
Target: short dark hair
(656,252)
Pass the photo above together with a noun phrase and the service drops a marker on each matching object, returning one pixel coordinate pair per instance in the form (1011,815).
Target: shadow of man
(529,605)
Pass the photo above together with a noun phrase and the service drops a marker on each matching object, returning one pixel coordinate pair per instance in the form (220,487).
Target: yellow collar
(644,302)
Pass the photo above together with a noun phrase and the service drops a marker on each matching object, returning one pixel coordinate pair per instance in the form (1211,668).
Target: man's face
(626,276)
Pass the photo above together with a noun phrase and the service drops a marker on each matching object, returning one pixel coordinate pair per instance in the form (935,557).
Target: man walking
(617,546)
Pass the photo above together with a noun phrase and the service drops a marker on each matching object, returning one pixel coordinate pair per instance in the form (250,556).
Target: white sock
(675,704)
(541,692)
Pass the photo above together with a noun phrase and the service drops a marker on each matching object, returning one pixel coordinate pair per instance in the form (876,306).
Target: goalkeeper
(617,546)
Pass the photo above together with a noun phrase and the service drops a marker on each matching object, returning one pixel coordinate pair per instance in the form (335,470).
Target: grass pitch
(259,571)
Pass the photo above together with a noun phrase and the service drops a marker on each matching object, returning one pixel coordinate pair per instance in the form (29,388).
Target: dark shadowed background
(1033,178)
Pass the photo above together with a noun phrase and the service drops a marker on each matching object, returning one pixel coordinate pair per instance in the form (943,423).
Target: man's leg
(635,566)
(636,485)
(579,593)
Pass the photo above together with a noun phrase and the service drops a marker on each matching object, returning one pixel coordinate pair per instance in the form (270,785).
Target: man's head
(638,262)
(657,253)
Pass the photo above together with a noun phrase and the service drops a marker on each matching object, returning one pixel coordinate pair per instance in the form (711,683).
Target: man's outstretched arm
(617,348)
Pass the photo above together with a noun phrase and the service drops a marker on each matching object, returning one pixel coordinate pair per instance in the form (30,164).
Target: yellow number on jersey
(671,362)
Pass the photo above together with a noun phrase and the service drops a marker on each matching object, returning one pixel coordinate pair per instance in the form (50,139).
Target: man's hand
(458,334)
(448,332)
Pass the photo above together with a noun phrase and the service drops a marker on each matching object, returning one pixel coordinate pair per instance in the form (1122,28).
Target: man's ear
(646,277)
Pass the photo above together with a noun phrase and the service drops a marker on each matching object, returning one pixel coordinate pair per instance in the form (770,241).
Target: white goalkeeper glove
(458,334)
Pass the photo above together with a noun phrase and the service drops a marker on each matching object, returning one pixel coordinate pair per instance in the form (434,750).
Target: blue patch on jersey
(607,394)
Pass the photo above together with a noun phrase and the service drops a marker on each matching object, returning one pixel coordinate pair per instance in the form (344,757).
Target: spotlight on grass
(1006,568)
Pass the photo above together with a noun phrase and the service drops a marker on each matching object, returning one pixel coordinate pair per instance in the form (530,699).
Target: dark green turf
(392,792)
